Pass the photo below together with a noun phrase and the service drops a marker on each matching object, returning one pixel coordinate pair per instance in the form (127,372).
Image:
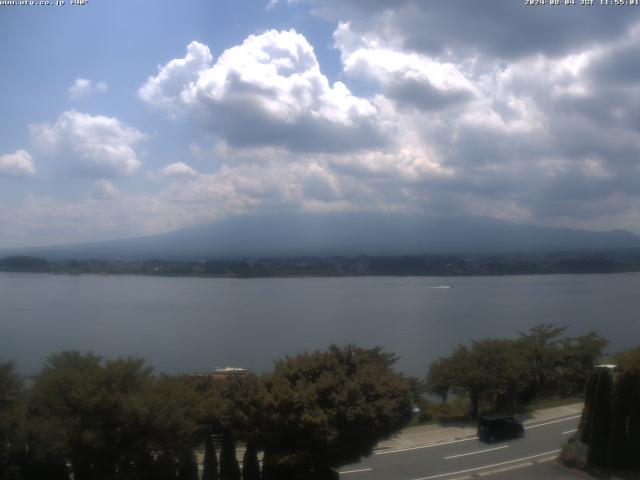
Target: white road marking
(570,431)
(478,451)
(554,421)
(355,471)
(426,446)
(488,466)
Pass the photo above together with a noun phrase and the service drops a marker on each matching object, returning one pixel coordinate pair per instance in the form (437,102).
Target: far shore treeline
(532,263)
(89,418)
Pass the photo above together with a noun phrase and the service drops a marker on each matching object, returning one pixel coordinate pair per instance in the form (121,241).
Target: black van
(498,426)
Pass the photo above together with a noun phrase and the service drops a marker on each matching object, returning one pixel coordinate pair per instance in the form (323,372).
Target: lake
(194,324)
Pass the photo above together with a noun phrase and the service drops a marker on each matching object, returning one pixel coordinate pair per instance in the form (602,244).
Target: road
(463,457)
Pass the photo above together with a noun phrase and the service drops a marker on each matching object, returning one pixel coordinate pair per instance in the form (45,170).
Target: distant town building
(226,372)
(222,373)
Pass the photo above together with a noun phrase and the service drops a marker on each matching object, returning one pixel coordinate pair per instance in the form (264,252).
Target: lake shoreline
(342,266)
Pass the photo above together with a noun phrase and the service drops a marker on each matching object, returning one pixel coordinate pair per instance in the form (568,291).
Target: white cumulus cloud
(409,78)
(268,91)
(164,90)
(178,169)
(18,164)
(83,88)
(92,145)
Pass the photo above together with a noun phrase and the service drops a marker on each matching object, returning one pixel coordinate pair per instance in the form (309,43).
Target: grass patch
(574,454)
(456,409)
(551,403)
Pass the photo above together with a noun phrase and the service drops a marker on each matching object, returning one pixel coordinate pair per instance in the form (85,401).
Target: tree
(174,411)
(250,465)
(10,419)
(543,355)
(453,374)
(235,409)
(627,415)
(210,467)
(489,369)
(509,373)
(107,418)
(187,465)
(229,468)
(326,409)
(610,424)
(67,408)
(578,356)
(164,467)
(240,403)
(600,418)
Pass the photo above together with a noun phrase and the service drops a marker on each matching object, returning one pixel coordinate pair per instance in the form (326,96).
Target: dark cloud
(502,28)
(619,67)
(423,95)
(242,123)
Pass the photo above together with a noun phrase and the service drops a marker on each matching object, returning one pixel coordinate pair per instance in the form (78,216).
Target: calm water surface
(187,324)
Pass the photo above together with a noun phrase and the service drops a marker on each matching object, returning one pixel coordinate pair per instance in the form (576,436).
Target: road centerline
(476,452)
(429,445)
(553,421)
(356,471)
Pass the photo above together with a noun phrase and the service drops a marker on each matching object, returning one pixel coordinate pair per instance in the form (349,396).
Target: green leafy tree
(541,347)
(442,375)
(494,370)
(510,373)
(456,374)
(11,420)
(174,411)
(234,409)
(68,409)
(111,419)
(239,407)
(577,358)
(326,409)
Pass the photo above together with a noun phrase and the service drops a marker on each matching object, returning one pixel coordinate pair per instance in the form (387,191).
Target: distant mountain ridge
(281,235)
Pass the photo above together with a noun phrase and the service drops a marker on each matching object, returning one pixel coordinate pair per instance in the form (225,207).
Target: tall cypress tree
(628,377)
(229,468)
(633,433)
(269,472)
(600,423)
(628,423)
(164,467)
(187,465)
(587,411)
(210,471)
(250,465)
(617,444)
(610,424)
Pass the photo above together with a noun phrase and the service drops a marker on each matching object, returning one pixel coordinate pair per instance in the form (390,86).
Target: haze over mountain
(343,234)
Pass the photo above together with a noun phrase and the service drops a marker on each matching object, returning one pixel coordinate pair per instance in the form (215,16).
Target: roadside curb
(505,469)
(459,438)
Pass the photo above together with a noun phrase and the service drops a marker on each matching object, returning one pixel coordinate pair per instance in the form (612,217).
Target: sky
(125,118)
